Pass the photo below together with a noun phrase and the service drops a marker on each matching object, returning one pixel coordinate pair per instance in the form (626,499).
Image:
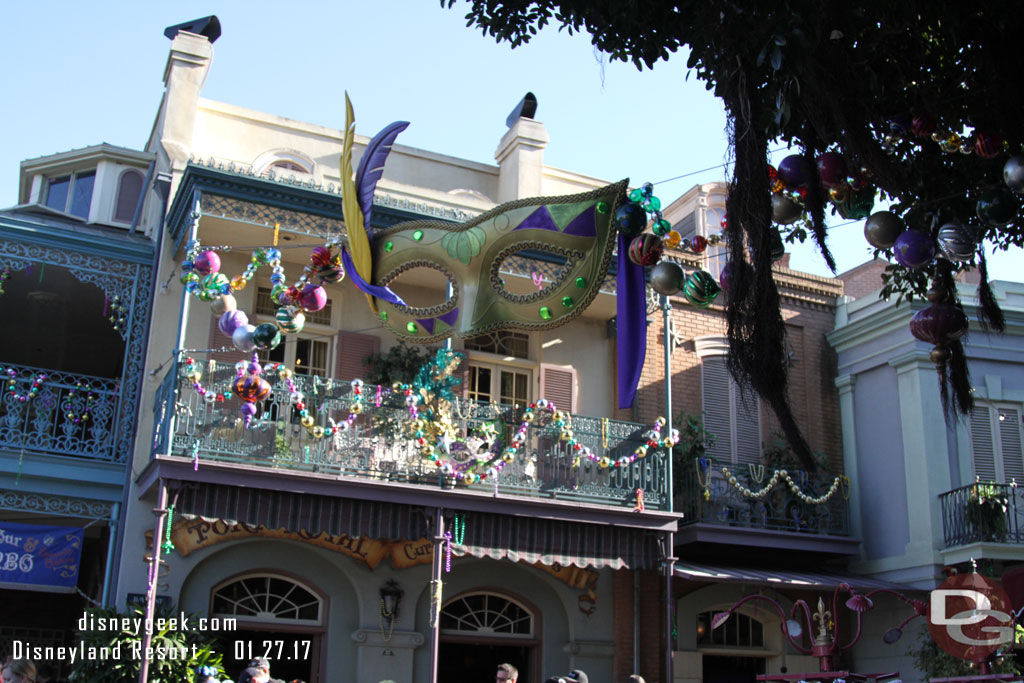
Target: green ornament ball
(266,336)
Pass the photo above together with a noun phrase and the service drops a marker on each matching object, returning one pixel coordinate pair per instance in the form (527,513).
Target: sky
(77,74)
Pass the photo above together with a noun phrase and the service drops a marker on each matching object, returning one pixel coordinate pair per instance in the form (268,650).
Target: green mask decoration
(578,228)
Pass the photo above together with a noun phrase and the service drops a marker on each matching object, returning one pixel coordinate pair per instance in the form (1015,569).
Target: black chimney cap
(207,26)
(526,108)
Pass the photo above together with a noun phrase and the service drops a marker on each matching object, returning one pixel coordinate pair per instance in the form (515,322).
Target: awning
(490,535)
(778,577)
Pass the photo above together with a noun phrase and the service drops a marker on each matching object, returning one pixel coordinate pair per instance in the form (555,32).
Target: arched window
(280,163)
(129,189)
(486,614)
(739,630)
(267,598)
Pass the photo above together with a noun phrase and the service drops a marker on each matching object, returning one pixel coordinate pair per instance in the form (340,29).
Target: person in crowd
(636,678)
(19,671)
(263,664)
(506,674)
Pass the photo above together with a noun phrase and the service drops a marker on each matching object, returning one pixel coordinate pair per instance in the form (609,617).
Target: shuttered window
(734,419)
(353,350)
(996,443)
(558,384)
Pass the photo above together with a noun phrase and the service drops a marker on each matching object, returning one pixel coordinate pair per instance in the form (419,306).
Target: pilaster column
(851,464)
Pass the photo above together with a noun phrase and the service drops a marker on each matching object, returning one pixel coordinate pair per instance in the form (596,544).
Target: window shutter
(715,392)
(353,350)
(748,425)
(558,385)
(981,444)
(220,340)
(1010,445)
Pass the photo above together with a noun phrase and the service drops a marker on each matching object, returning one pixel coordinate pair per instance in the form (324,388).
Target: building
(77,256)
(332,548)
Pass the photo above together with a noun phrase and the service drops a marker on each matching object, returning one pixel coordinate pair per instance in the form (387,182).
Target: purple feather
(371,167)
(372,290)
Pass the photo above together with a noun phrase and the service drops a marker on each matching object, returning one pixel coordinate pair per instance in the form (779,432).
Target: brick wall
(652,624)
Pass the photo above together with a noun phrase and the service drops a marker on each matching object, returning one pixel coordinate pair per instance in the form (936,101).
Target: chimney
(184,74)
(520,154)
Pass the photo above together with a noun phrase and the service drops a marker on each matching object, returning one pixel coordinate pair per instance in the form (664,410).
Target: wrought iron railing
(376,447)
(706,494)
(67,414)
(982,513)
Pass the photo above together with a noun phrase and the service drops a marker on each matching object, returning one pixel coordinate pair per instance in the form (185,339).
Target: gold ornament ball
(604,462)
(508,458)
(318,432)
(308,421)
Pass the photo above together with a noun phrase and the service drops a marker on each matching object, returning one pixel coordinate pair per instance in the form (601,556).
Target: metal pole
(670,565)
(154,576)
(115,512)
(435,593)
(666,310)
(636,621)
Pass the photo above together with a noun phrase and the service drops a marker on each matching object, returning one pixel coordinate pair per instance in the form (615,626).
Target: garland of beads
(703,476)
(86,414)
(793,486)
(672,239)
(33,390)
(5,273)
(459,528)
(168,544)
(194,374)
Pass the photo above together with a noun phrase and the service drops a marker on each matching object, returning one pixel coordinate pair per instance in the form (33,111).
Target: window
(129,189)
(502,384)
(502,343)
(266,598)
(996,443)
(71,193)
(303,355)
(734,417)
(486,614)
(739,630)
(288,166)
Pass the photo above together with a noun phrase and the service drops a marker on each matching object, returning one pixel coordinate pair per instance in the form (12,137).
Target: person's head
(261,663)
(19,671)
(636,678)
(506,672)
(253,675)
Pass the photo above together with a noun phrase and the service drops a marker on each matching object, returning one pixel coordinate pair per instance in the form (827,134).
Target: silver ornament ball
(667,278)
(882,228)
(956,242)
(1013,173)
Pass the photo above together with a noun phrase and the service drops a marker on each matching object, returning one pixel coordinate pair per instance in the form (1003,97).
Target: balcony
(983,514)
(716,510)
(68,414)
(375,447)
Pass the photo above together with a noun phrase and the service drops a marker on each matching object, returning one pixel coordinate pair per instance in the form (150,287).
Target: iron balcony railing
(375,447)
(66,414)
(982,513)
(705,494)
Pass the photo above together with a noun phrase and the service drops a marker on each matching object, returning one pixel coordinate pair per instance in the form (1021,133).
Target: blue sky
(77,74)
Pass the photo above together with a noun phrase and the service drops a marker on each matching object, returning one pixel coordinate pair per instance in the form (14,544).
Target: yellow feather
(358,240)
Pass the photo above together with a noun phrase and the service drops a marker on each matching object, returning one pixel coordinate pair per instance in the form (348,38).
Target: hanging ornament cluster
(849,191)
(202,277)
(115,311)
(647,249)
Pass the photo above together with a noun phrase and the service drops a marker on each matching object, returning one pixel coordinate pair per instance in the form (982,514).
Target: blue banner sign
(42,558)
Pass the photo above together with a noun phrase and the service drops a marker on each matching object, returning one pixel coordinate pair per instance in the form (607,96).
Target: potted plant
(985,511)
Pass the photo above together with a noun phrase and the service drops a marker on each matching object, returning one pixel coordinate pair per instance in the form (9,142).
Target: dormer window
(129,188)
(288,166)
(71,193)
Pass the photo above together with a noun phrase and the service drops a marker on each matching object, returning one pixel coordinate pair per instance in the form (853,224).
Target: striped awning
(487,535)
(778,577)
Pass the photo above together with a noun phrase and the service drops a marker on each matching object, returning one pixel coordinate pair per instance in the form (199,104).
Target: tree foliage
(905,91)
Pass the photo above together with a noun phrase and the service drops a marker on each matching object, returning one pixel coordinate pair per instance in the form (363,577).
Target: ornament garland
(86,414)
(12,382)
(783,475)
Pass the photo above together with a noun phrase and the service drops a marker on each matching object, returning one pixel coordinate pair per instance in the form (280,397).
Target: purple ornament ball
(914,248)
(231,321)
(313,297)
(206,263)
(832,169)
(795,171)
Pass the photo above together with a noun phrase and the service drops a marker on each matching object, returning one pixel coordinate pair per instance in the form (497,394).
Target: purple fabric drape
(631,324)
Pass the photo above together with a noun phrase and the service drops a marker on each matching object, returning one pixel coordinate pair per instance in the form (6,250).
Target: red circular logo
(970,617)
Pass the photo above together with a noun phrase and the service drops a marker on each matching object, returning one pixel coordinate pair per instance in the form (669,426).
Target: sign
(43,558)
(970,617)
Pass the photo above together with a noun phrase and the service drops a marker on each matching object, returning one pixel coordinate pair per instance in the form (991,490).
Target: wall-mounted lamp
(390,597)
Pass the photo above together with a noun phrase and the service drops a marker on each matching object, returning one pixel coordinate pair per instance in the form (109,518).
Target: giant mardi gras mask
(578,228)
